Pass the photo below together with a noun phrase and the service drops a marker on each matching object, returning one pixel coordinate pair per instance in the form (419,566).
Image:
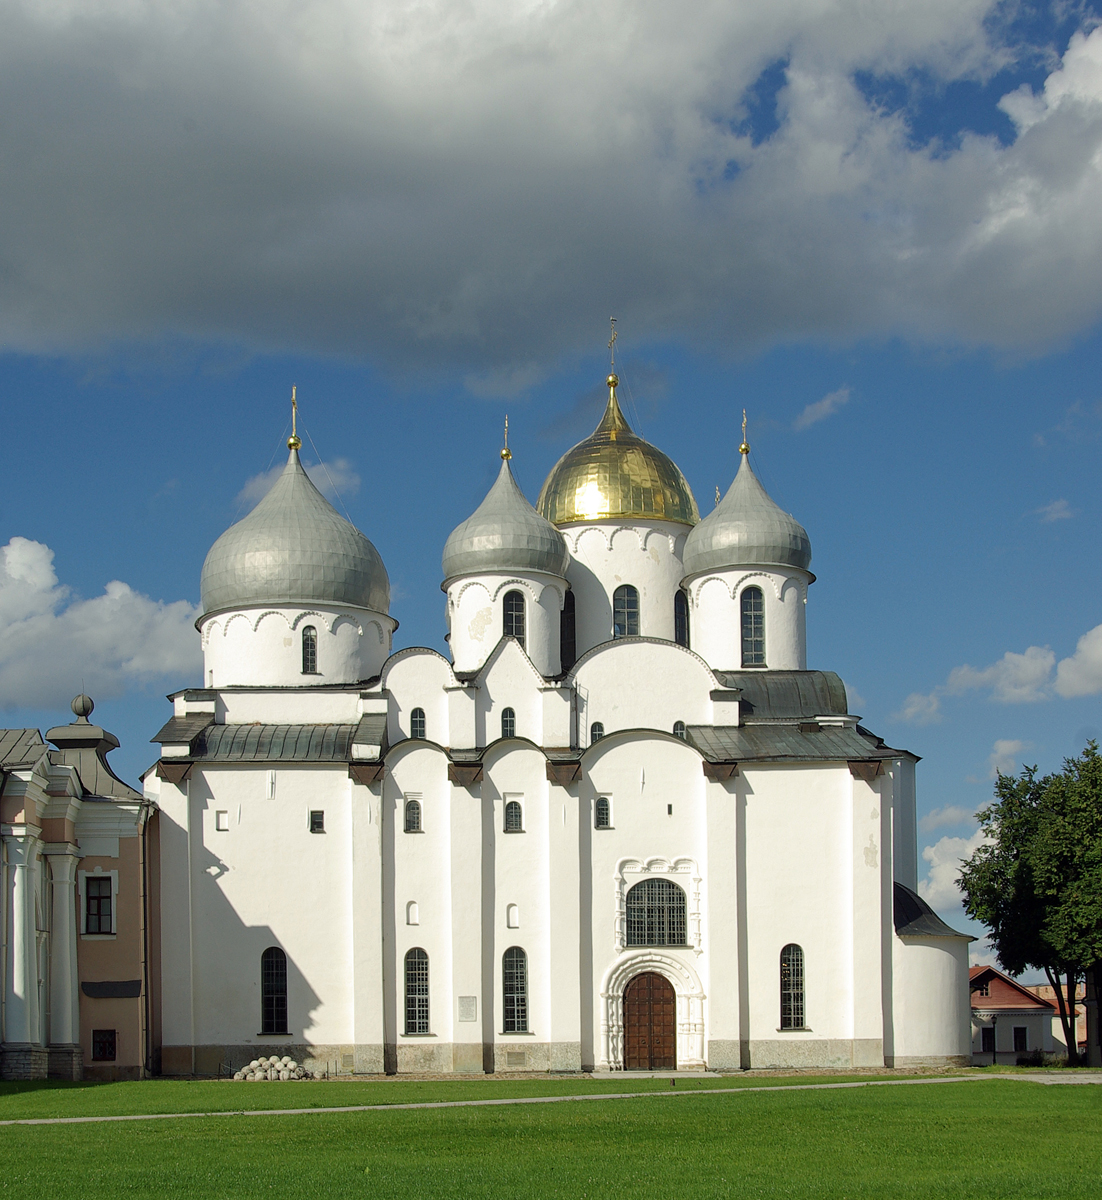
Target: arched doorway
(650,1024)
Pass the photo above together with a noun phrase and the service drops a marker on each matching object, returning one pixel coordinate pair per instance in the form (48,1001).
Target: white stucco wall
(475,609)
(605,555)
(715,608)
(263,646)
(931,1015)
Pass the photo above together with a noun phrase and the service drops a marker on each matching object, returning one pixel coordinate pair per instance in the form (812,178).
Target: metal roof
(18,747)
(913,917)
(788,693)
(294,548)
(179,730)
(784,743)
(276,743)
(505,533)
(746,528)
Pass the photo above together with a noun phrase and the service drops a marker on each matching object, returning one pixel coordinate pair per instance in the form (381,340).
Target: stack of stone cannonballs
(275,1069)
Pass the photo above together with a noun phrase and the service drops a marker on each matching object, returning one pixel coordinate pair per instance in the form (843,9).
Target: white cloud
(919,709)
(1014,679)
(939,888)
(333,480)
(822,409)
(1081,674)
(1055,510)
(51,640)
(982,954)
(854,699)
(941,818)
(482,184)
(1003,759)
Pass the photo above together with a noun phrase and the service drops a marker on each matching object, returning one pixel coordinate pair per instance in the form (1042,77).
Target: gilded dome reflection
(614,474)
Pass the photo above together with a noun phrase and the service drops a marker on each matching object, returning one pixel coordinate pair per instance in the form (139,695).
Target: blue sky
(873,225)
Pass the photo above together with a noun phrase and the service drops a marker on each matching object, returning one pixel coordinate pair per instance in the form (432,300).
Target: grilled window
(753,628)
(104,1043)
(679,730)
(655,914)
(97,901)
(317,820)
(309,651)
(514,817)
(417,991)
(413,816)
(568,641)
(625,611)
(273,991)
(508,723)
(602,813)
(417,723)
(596,732)
(513,616)
(792,987)
(514,990)
(681,618)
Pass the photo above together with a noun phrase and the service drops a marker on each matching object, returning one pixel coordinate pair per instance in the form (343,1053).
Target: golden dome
(615,475)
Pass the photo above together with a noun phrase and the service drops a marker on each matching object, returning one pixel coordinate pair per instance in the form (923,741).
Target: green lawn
(991,1138)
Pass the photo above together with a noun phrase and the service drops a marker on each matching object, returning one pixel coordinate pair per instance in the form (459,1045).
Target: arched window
(417,991)
(417,723)
(753,627)
(513,616)
(602,813)
(273,991)
(514,817)
(681,618)
(625,611)
(508,723)
(655,914)
(568,640)
(512,916)
(596,732)
(514,990)
(413,816)
(792,987)
(679,730)
(309,651)
(413,913)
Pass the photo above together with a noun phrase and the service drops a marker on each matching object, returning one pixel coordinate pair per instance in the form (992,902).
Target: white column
(21,1000)
(64,987)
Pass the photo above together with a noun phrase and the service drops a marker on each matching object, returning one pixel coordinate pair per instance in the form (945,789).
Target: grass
(993,1138)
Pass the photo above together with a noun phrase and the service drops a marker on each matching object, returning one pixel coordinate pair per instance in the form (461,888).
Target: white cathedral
(624,827)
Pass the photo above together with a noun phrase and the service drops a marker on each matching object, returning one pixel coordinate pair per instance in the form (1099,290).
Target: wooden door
(650,1024)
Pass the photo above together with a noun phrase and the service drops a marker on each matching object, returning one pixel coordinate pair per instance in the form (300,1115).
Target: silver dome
(294,548)
(746,529)
(505,533)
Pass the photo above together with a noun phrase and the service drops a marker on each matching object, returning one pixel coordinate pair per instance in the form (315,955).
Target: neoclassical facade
(622,826)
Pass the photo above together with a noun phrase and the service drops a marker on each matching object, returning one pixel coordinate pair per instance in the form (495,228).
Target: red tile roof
(1003,992)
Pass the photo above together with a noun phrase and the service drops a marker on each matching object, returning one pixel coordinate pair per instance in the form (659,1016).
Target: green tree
(1036,882)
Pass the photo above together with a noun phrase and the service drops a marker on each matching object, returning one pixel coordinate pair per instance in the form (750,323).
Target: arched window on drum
(753,627)
(309,650)
(681,619)
(513,616)
(625,611)
(655,914)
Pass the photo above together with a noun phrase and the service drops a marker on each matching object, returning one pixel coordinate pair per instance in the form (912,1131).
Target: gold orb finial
(506,453)
(613,380)
(294,442)
(745,447)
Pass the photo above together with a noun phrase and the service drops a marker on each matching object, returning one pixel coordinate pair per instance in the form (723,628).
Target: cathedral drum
(650,1024)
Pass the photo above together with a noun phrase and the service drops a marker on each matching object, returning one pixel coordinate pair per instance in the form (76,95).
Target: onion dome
(615,475)
(505,533)
(746,529)
(294,548)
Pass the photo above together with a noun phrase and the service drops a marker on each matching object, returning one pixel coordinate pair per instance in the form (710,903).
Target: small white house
(1008,1020)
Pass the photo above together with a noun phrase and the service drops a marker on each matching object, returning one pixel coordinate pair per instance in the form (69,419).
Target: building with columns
(621,826)
(79,911)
